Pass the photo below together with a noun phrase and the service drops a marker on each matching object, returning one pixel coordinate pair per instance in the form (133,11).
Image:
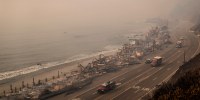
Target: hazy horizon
(22,16)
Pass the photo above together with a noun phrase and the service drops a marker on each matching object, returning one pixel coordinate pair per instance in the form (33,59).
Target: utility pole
(23,84)
(11,89)
(154,45)
(184,56)
(58,74)
(33,81)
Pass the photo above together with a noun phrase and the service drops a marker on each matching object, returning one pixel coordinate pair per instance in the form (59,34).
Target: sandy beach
(45,73)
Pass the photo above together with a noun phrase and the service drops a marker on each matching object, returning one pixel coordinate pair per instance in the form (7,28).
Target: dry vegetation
(186,87)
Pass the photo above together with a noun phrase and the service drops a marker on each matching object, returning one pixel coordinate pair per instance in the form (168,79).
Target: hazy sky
(53,15)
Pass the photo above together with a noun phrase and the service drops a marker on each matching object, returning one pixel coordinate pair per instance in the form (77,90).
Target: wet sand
(44,73)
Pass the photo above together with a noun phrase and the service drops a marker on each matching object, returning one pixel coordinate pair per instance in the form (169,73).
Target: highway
(139,80)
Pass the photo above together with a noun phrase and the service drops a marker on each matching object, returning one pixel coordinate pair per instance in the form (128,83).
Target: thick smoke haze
(38,17)
(22,16)
(187,10)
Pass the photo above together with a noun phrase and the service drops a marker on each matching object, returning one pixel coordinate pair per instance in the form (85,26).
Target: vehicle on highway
(148,61)
(179,44)
(156,61)
(105,87)
(182,38)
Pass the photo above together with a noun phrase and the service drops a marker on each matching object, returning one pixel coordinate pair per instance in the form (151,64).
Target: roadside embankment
(184,84)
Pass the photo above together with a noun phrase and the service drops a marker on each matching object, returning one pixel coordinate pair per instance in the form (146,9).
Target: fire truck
(156,61)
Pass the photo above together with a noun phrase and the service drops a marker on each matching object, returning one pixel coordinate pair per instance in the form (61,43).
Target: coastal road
(141,79)
(137,83)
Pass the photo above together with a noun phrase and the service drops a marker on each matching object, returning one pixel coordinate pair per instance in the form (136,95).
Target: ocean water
(22,50)
(20,53)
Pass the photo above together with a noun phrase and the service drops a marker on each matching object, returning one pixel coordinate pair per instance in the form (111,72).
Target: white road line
(154,78)
(172,57)
(140,88)
(168,69)
(94,93)
(168,77)
(146,89)
(122,79)
(137,91)
(136,87)
(141,74)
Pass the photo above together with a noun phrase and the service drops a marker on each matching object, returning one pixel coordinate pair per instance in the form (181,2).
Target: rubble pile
(157,37)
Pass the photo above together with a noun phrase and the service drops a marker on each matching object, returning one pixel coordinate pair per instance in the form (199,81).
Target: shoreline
(47,72)
(41,66)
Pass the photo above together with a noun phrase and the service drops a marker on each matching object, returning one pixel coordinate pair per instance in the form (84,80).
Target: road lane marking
(137,91)
(170,58)
(118,84)
(168,69)
(121,79)
(146,89)
(136,87)
(168,77)
(154,78)
(142,73)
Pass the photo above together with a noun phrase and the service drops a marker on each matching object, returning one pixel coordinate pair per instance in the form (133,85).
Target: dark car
(105,87)
(148,61)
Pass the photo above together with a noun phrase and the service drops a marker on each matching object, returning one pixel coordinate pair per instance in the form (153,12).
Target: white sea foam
(34,68)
